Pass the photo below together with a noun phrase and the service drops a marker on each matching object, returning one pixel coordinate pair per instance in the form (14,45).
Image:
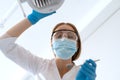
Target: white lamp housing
(45,6)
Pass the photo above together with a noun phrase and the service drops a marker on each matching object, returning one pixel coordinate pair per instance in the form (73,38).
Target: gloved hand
(35,16)
(87,71)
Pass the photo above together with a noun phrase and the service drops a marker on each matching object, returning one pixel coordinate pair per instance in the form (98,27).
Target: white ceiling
(96,20)
(76,11)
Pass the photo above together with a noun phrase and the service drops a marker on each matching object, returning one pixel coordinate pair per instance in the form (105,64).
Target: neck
(64,63)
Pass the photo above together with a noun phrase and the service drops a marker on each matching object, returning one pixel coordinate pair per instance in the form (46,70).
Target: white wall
(103,42)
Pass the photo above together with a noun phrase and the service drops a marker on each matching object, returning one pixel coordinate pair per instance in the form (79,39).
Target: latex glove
(87,71)
(35,16)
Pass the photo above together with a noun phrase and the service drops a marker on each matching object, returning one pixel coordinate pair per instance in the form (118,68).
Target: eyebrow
(63,30)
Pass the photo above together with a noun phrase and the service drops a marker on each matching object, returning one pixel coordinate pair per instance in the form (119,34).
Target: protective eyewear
(69,34)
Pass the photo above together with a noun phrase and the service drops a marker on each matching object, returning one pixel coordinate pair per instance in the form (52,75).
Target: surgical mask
(64,48)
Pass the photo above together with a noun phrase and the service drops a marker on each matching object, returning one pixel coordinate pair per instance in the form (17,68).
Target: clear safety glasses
(69,34)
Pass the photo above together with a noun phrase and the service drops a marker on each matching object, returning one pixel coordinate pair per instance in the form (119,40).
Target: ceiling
(76,12)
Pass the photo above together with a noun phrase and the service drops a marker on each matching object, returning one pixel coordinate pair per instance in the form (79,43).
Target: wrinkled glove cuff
(33,19)
(35,16)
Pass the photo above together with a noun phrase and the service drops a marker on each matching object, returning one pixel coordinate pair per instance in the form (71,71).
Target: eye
(71,36)
(57,35)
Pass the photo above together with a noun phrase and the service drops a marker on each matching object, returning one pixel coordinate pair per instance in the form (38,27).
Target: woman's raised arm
(20,27)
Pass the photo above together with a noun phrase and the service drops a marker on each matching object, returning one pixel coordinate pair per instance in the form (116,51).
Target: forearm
(19,28)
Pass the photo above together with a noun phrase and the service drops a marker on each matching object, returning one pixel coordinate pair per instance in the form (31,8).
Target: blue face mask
(64,48)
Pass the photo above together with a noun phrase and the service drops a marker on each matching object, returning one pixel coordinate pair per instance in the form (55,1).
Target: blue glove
(87,71)
(35,16)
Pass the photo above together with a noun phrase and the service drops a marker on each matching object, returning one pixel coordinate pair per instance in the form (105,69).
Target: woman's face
(64,42)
